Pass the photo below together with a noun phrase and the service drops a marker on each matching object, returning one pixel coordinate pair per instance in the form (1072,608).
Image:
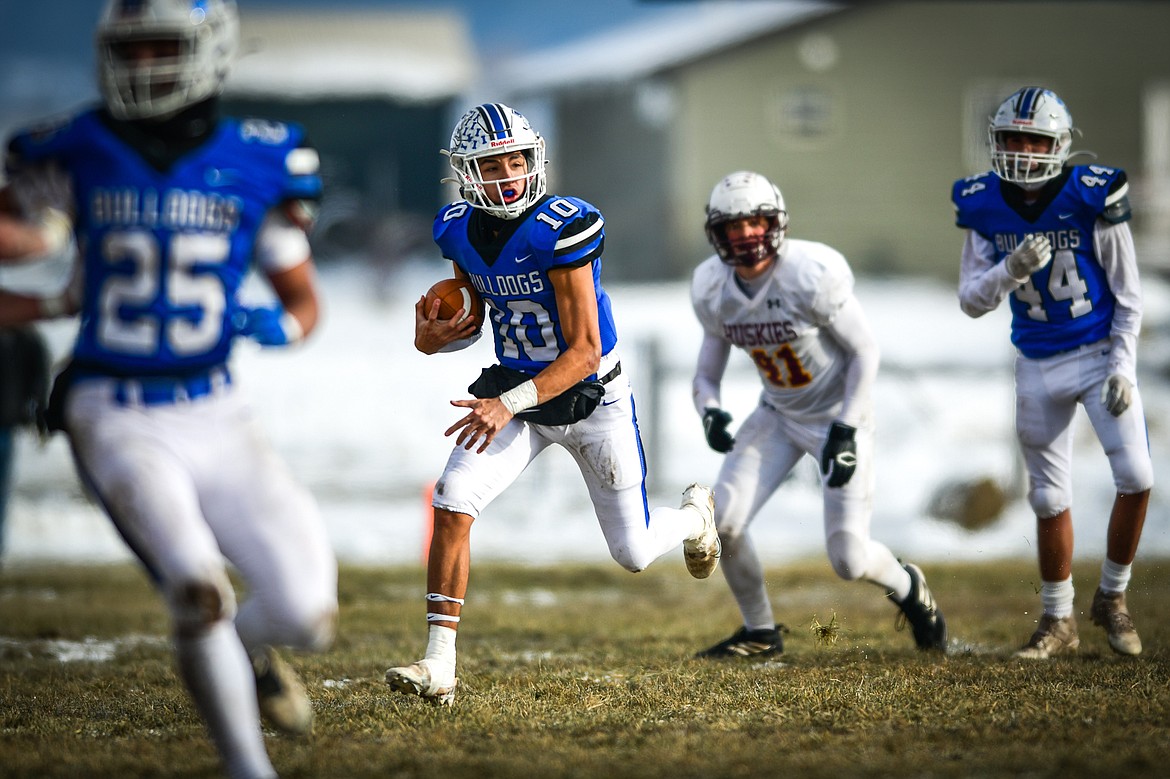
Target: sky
(46,48)
(59,33)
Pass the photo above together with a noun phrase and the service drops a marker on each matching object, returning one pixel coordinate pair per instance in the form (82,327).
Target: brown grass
(586,671)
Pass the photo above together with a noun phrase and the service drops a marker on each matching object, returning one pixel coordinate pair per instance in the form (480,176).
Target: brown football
(456,294)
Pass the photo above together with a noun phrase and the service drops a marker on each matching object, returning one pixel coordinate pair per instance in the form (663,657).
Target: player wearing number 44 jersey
(789,304)
(535,259)
(170,205)
(1054,240)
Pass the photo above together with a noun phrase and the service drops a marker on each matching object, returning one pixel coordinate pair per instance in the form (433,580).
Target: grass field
(586,671)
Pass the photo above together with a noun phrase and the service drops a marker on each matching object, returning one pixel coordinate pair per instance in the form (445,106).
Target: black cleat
(748,643)
(923,614)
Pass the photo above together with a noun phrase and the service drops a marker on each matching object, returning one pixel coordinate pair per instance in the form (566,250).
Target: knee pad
(319,631)
(849,555)
(1047,500)
(1131,475)
(627,559)
(196,604)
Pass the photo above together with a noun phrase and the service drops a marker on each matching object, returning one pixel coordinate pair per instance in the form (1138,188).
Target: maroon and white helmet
(742,194)
(1036,111)
(207,34)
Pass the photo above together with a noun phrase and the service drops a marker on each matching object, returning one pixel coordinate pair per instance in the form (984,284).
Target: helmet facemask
(738,196)
(1030,111)
(192,47)
(492,130)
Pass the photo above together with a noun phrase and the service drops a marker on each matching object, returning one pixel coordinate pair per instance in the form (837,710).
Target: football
(456,294)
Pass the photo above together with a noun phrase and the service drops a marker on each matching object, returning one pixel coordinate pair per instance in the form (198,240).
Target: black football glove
(715,422)
(839,457)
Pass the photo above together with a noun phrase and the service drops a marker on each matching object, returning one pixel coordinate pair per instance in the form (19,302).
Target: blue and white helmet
(1035,111)
(207,33)
(486,131)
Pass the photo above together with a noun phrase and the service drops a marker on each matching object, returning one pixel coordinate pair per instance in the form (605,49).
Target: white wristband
(519,398)
(292,328)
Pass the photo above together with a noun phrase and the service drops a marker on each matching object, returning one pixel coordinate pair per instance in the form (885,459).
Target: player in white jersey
(789,304)
(536,260)
(1054,241)
(171,204)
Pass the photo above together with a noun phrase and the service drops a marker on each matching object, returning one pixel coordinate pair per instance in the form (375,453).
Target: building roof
(644,48)
(404,55)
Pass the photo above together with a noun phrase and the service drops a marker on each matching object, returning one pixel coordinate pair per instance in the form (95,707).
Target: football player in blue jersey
(535,258)
(1054,240)
(170,205)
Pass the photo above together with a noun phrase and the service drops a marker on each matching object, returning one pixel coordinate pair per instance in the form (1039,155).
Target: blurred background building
(863,112)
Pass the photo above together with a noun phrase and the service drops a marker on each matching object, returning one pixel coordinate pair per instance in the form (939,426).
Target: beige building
(863,114)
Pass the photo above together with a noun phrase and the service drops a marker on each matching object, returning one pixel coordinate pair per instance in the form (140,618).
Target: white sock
(1114,576)
(1057,598)
(745,577)
(218,674)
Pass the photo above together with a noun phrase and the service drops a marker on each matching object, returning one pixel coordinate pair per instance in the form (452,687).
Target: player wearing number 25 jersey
(1055,241)
(165,251)
(789,305)
(170,206)
(535,259)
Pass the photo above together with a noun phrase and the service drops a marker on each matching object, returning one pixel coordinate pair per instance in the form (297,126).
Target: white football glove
(1033,253)
(1116,394)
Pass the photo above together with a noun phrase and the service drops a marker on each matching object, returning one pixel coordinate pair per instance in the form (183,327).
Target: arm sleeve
(462,343)
(1115,250)
(851,329)
(983,283)
(713,355)
(281,244)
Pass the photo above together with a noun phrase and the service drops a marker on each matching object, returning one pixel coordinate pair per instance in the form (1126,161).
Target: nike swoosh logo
(217,177)
(1065,216)
(522,259)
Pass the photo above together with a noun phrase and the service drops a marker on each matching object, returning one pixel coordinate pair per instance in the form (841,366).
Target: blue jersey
(165,252)
(510,271)
(1067,303)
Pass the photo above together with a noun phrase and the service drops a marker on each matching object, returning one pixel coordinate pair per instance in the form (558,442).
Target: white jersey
(782,326)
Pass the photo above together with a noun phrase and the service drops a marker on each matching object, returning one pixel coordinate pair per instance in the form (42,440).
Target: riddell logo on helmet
(1028,122)
(505,142)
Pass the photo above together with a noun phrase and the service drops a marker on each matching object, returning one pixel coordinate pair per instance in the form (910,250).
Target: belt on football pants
(168,390)
(613,374)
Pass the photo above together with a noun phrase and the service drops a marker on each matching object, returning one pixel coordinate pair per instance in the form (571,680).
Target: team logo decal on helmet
(486,131)
(1034,111)
(746,194)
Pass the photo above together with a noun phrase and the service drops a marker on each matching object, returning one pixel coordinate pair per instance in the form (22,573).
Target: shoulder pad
(1117,208)
(452,212)
(268,132)
(577,233)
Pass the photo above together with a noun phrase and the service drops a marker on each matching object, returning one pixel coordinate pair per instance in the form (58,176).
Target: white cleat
(701,552)
(419,679)
(281,695)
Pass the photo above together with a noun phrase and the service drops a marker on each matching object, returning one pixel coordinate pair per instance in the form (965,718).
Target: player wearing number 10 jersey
(536,259)
(1054,240)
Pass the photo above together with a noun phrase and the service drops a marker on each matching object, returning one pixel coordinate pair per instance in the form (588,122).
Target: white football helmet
(206,33)
(1035,111)
(742,194)
(488,130)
